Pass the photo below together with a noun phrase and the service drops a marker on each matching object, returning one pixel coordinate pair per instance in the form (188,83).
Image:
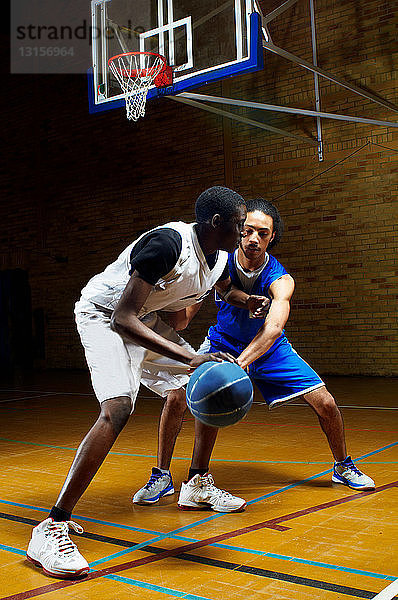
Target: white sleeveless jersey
(187,283)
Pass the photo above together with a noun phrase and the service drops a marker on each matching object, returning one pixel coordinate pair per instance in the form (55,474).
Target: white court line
(47,393)
(43,392)
(342,406)
(41,395)
(389,592)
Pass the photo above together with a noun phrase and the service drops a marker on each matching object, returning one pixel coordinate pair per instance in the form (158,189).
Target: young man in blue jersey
(261,347)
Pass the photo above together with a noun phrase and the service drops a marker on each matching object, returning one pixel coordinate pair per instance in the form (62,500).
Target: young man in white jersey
(261,347)
(170,268)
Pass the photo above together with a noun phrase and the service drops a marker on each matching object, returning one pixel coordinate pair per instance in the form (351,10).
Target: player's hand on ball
(258,306)
(199,359)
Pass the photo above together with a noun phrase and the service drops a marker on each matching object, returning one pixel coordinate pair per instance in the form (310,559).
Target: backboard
(203,41)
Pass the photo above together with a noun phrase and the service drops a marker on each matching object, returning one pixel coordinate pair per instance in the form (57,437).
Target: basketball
(219,393)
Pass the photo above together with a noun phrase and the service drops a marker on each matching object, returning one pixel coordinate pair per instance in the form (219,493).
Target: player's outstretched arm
(281,292)
(257,305)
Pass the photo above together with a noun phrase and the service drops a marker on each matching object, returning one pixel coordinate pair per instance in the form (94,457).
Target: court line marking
(270,494)
(191,546)
(294,579)
(155,588)
(177,551)
(342,406)
(46,510)
(292,485)
(13,550)
(53,393)
(331,503)
(41,395)
(272,521)
(63,393)
(257,526)
(207,519)
(305,561)
(389,592)
(292,559)
(258,403)
(128,580)
(293,462)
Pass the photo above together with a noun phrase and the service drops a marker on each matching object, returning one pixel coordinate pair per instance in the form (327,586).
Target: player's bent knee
(323,402)
(176,400)
(328,399)
(116,411)
(328,405)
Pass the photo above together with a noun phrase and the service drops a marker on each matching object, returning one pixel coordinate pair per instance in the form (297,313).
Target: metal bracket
(316,83)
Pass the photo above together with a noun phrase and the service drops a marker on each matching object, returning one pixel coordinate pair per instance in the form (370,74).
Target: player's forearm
(237,298)
(131,329)
(260,344)
(257,305)
(274,323)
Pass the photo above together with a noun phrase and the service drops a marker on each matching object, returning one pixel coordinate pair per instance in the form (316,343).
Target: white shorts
(118,367)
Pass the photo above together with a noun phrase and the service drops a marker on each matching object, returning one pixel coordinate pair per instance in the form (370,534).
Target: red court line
(311,509)
(298,426)
(192,546)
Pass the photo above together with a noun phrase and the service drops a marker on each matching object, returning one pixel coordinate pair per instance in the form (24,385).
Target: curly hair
(217,200)
(266,207)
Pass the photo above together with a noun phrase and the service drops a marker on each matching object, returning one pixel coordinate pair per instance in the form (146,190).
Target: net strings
(135,74)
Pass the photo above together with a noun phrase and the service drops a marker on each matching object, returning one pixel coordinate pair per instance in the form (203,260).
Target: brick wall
(79,186)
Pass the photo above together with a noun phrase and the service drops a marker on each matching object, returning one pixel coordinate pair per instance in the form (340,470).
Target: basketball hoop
(136,72)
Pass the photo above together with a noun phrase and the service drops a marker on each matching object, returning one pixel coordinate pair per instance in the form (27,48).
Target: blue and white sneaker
(159,485)
(347,473)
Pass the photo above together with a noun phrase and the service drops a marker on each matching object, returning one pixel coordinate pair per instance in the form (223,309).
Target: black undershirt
(157,253)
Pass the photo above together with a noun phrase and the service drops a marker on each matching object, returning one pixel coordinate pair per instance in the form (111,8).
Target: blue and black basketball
(219,393)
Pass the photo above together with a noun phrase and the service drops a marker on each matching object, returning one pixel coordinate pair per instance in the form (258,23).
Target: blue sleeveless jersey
(234,324)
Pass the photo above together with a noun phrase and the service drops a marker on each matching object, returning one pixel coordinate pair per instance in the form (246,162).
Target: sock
(58,514)
(193,472)
(164,471)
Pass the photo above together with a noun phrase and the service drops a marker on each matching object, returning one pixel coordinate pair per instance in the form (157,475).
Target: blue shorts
(281,375)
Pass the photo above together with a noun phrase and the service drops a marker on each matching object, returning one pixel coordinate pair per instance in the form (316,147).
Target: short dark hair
(266,207)
(217,200)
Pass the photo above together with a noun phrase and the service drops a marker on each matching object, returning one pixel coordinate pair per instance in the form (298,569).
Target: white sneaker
(347,473)
(200,492)
(52,549)
(159,484)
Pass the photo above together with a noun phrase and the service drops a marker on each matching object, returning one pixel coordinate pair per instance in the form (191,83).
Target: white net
(135,73)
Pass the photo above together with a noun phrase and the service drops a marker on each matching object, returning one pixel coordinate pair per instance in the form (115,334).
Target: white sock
(164,471)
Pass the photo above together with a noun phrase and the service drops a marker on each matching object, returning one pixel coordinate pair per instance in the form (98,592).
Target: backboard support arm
(286,109)
(278,11)
(240,119)
(307,65)
(315,69)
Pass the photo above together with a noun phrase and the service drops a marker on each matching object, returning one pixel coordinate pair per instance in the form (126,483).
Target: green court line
(270,462)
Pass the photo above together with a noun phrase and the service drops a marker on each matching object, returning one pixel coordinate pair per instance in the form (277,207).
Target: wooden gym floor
(299,538)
